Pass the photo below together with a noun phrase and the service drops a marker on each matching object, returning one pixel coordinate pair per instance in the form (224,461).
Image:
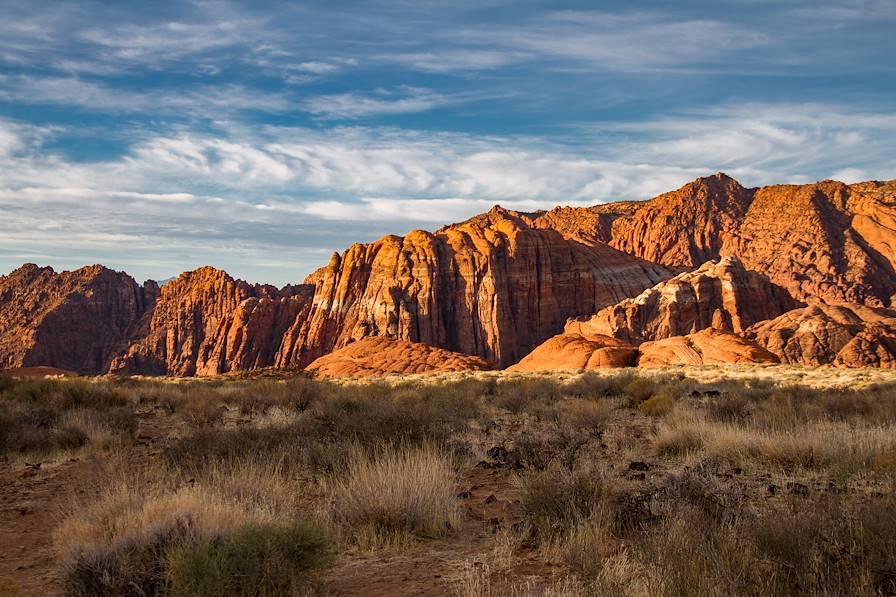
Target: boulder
(378,356)
(706,347)
(574,352)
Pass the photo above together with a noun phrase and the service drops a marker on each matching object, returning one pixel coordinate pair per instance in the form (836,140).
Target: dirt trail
(34,501)
(31,504)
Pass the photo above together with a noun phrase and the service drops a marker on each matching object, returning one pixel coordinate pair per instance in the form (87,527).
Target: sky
(259,137)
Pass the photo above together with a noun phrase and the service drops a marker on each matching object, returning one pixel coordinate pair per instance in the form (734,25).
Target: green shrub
(257,560)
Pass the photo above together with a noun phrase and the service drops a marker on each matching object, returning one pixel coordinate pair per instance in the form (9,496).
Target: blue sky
(261,136)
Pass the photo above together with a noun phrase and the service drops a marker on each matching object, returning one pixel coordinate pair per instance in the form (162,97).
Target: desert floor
(704,480)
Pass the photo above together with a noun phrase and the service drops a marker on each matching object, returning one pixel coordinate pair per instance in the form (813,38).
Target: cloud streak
(300,192)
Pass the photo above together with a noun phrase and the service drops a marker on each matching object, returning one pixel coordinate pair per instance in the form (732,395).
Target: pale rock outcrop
(379,356)
(846,335)
(721,295)
(706,347)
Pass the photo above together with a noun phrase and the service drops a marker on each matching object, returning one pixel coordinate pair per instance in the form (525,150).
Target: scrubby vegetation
(487,484)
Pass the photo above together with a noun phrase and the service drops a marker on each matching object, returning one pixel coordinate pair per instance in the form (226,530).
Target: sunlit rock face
(590,285)
(379,356)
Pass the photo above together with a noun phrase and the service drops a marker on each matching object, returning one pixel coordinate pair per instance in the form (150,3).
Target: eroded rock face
(706,347)
(721,295)
(572,351)
(207,323)
(846,335)
(824,240)
(378,356)
(76,321)
(498,285)
(494,286)
(683,228)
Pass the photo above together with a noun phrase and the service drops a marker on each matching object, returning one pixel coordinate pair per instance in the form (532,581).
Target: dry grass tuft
(397,491)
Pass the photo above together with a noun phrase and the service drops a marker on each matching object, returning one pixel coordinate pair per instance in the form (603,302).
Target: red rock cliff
(494,286)
(823,240)
(206,323)
(74,320)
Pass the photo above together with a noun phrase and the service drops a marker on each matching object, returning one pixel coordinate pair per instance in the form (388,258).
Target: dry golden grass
(817,444)
(391,492)
(710,480)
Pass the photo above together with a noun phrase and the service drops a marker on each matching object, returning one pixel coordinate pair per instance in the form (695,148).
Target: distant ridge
(495,286)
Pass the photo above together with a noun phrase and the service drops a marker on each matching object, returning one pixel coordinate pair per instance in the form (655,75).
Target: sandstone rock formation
(847,335)
(498,285)
(721,295)
(377,356)
(573,352)
(494,286)
(206,323)
(682,228)
(706,347)
(823,240)
(74,320)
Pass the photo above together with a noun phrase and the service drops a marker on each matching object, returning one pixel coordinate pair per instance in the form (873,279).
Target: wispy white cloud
(209,100)
(157,43)
(288,190)
(455,60)
(767,143)
(630,41)
(405,100)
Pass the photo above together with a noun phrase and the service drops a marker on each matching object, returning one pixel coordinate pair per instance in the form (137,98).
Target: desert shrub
(296,395)
(686,555)
(201,406)
(701,489)
(401,418)
(290,446)
(397,491)
(6,382)
(18,436)
(553,444)
(66,394)
(585,415)
(117,545)
(828,546)
(639,390)
(103,429)
(43,416)
(659,404)
(557,500)
(164,395)
(588,544)
(679,434)
(518,394)
(728,407)
(206,446)
(591,385)
(256,560)
(466,391)
(41,432)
